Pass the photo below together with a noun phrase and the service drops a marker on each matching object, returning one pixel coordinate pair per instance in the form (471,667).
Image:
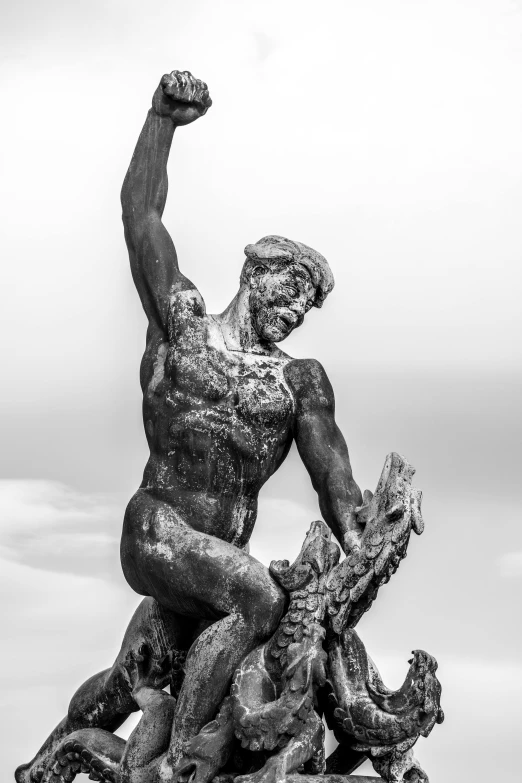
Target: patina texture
(254,657)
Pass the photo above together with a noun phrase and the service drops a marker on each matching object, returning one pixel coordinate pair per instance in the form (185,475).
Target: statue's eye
(291,290)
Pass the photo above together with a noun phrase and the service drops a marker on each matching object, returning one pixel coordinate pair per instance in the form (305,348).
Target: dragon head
(317,556)
(390,516)
(418,698)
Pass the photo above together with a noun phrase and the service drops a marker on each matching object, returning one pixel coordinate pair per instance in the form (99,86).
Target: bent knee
(100,700)
(263,609)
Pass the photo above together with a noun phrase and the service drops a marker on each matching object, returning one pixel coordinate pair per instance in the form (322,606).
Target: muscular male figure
(222,405)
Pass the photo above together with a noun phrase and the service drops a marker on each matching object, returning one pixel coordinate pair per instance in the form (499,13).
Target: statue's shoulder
(186,311)
(186,300)
(309,382)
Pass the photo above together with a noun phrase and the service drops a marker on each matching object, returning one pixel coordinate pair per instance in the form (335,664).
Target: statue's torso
(218,422)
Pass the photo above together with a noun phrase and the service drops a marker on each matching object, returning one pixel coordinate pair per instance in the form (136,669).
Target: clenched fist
(181,97)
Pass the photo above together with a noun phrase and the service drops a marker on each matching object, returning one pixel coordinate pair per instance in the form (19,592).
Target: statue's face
(279,301)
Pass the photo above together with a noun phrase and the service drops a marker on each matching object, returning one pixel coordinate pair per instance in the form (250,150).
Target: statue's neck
(237,328)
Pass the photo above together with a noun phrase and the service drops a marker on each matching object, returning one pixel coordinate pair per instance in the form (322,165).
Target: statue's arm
(323,450)
(179,99)
(146,675)
(151,736)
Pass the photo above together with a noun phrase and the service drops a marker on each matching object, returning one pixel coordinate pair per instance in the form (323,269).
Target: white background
(387,135)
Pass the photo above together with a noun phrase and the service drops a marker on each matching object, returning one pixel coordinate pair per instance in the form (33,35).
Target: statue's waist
(199,454)
(228,517)
(197,464)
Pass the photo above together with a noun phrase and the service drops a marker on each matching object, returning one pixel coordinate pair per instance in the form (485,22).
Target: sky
(383,133)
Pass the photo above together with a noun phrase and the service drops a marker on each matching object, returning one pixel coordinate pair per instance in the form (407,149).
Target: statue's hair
(274,252)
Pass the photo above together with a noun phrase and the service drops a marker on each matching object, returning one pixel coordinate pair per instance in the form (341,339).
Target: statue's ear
(256,274)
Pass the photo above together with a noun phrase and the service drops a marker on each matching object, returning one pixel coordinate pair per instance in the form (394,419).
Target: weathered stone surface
(296,778)
(253,656)
(333,779)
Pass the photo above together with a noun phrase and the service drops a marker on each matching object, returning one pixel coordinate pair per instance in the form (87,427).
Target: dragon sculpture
(270,725)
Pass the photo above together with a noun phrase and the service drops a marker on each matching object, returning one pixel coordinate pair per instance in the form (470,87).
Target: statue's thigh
(200,576)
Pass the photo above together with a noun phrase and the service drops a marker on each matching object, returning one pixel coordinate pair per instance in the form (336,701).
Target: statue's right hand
(181,97)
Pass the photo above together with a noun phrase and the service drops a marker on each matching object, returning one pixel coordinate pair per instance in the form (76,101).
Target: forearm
(151,735)
(144,191)
(324,452)
(323,449)
(339,496)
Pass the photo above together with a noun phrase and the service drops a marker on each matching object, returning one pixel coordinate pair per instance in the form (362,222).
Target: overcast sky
(387,135)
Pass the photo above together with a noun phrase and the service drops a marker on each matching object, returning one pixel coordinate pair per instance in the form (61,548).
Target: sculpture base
(331,778)
(326,778)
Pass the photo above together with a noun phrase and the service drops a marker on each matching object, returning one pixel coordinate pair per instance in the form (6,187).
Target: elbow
(126,193)
(338,487)
(134,205)
(133,209)
(138,223)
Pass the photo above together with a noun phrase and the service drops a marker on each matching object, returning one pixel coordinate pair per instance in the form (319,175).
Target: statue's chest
(203,372)
(260,391)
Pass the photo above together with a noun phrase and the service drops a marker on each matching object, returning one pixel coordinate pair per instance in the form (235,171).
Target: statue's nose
(298,306)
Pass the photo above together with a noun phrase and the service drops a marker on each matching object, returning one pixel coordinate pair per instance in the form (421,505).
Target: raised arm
(178,100)
(323,450)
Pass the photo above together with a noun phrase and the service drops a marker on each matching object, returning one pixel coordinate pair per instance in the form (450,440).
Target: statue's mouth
(286,321)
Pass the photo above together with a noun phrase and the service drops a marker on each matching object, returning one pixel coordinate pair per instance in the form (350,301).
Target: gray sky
(387,136)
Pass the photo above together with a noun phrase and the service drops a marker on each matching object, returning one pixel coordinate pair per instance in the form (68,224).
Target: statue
(254,656)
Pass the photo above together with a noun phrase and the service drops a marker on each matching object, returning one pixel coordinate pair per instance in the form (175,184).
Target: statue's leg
(104,701)
(202,576)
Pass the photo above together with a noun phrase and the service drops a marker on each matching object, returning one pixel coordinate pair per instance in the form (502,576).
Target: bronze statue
(222,405)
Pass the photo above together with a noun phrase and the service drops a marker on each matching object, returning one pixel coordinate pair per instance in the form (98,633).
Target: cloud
(50,526)
(57,630)
(510,564)
(64,604)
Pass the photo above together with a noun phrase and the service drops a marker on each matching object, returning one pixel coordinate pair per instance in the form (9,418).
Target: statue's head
(285,280)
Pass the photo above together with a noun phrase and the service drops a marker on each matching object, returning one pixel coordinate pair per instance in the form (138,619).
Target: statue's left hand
(141,669)
(359,518)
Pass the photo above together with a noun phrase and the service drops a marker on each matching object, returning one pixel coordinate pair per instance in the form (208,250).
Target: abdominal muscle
(209,465)
(224,513)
